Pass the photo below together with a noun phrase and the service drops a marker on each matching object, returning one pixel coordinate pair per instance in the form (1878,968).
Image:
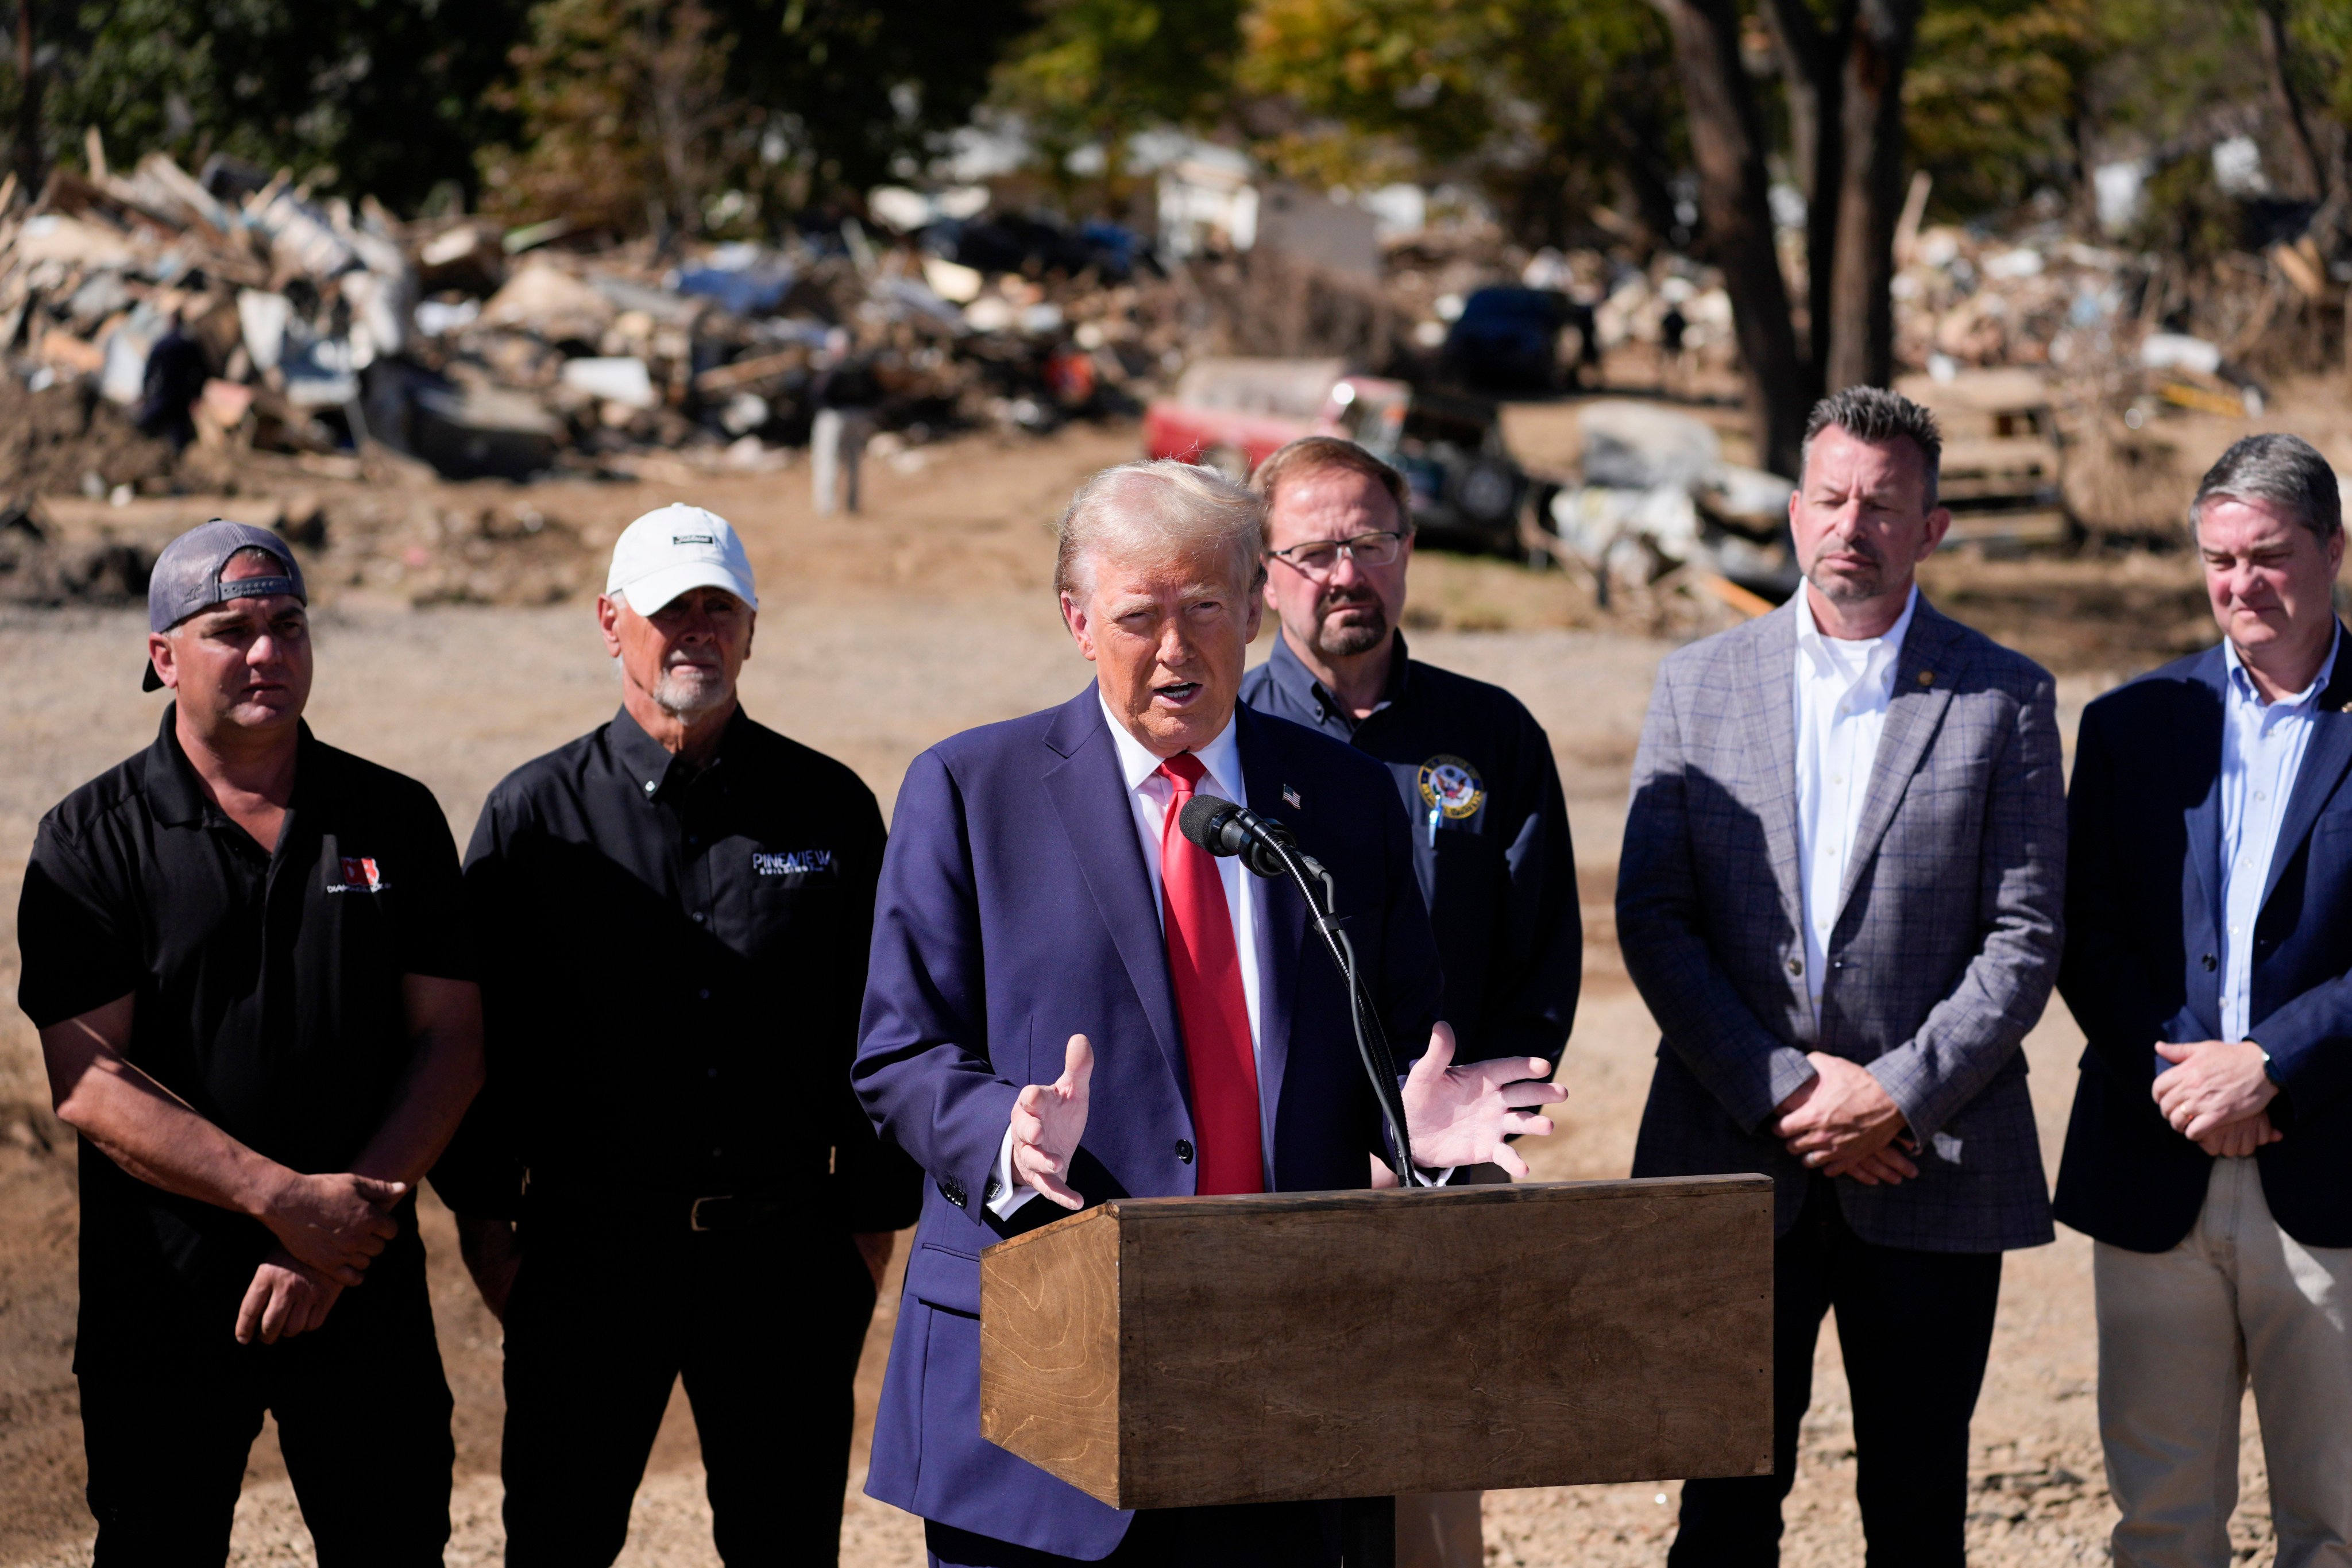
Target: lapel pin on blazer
(1290,795)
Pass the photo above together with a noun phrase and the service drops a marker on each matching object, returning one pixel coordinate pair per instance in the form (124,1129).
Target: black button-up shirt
(266,993)
(1490,840)
(673,960)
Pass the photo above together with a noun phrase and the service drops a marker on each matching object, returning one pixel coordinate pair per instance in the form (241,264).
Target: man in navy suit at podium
(1070,1001)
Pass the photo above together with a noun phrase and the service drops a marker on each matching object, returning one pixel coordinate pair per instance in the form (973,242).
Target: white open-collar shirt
(2262,745)
(1149,795)
(1844,686)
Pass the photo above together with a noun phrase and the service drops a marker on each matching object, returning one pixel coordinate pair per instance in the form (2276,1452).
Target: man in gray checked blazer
(1840,895)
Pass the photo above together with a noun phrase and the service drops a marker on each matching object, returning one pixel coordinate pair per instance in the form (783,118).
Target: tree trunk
(2302,153)
(1639,132)
(1869,195)
(28,106)
(1736,214)
(1811,58)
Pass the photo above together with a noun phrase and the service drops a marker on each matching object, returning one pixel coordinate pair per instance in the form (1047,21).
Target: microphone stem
(1373,1042)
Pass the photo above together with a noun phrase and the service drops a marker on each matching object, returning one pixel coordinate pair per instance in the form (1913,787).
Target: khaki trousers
(2180,1334)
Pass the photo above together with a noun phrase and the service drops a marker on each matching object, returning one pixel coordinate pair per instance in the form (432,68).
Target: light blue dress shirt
(2262,745)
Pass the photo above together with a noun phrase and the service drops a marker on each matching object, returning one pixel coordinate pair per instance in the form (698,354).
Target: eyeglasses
(1320,557)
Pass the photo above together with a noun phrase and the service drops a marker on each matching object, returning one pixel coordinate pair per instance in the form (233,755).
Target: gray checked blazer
(1945,947)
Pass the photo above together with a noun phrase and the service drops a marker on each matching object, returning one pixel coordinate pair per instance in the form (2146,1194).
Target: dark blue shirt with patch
(1490,840)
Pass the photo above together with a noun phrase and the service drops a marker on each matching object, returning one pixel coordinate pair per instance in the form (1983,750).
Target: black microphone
(1221,827)
(1267,848)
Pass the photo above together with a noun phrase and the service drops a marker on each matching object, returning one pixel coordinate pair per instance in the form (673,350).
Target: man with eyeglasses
(1490,836)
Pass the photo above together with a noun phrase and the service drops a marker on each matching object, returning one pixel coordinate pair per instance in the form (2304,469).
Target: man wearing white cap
(668,1175)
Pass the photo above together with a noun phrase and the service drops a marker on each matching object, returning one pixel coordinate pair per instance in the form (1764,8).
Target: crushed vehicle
(1519,340)
(1230,414)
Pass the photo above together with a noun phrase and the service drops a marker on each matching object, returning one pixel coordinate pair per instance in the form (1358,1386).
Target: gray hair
(2285,469)
(1176,505)
(1874,414)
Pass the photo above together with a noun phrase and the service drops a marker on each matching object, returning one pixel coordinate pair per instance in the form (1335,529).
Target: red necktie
(1206,966)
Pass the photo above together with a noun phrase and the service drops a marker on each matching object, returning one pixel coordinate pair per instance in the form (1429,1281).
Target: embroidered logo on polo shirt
(360,874)
(1450,785)
(790,863)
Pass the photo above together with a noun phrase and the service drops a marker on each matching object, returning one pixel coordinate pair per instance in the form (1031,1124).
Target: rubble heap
(230,313)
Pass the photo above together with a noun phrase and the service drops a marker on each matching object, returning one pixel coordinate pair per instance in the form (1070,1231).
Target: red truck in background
(1230,414)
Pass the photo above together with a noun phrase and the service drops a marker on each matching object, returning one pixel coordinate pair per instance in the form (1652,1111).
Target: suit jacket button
(952,1191)
(1184,1149)
(2210,962)
(1796,966)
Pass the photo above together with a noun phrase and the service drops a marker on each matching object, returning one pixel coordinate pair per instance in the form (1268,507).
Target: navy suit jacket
(2143,960)
(1016,910)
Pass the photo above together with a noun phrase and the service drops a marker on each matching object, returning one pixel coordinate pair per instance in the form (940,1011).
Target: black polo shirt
(1490,840)
(267,986)
(673,960)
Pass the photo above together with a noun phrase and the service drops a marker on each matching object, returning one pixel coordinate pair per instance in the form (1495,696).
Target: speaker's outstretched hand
(1461,1115)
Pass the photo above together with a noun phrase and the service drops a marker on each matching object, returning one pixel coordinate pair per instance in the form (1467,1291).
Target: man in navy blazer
(1069,1003)
(2208,960)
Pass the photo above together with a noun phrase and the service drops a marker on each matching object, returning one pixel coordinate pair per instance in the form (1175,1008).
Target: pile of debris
(232,312)
(1657,511)
(229,333)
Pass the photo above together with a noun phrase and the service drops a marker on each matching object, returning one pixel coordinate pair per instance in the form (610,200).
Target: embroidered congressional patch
(360,874)
(790,863)
(1450,785)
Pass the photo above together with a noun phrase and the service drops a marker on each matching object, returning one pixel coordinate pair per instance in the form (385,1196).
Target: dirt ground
(882,634)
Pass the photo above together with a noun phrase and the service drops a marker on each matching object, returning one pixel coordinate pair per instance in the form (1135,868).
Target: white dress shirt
(1150,794)
(1843,689)
(2262,745)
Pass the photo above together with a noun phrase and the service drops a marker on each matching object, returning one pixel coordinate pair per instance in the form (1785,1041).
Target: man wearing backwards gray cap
(668,1175)
(245,953)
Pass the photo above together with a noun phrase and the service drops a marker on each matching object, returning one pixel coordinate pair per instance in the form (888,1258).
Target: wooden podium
(1164,1352)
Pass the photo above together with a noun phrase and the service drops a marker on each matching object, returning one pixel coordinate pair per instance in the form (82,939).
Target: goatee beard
(689,698)
(1360,636)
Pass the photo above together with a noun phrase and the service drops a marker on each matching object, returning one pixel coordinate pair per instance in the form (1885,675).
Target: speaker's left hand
(1461,1115)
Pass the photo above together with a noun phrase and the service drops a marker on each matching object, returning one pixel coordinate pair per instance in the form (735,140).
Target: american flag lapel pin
(1290,797)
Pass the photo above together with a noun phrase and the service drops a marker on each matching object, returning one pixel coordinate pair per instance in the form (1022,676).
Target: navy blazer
(1016,910)
(2143,960)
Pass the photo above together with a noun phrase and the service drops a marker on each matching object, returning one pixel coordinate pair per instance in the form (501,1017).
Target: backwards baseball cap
(676,548)
(187,576)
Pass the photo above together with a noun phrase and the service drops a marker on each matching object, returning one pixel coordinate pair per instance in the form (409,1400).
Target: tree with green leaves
(637,113)
(1092,74)
(1554,109)
(1997,104)
(388,97)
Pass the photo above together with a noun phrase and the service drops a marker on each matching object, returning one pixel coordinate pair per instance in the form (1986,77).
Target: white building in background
(1212,197)
(1208,198)
(1339,237)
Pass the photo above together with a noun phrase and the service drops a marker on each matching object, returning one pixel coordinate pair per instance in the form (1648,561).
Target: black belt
(729,1212)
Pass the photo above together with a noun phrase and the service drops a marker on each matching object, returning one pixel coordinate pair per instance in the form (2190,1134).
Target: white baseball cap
(667,551)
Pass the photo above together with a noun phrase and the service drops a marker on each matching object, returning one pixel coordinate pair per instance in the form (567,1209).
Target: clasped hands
(1455,1115)
(1843,1122)
(2216,1094)
(328,1228)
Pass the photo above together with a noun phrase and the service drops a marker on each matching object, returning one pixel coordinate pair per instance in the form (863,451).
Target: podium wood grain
(1161,1352)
